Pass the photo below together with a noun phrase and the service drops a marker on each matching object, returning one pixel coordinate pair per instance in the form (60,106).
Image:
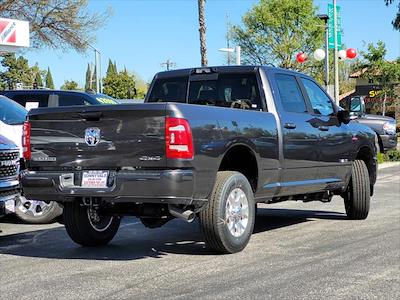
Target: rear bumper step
(141,186)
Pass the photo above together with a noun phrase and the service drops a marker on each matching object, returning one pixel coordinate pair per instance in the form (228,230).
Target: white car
(12,117)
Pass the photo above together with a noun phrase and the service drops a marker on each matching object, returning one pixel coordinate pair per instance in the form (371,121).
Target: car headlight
(389,127)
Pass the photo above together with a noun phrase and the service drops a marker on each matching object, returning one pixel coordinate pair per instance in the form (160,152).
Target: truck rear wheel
(357,197)
(228,221)
(87,227)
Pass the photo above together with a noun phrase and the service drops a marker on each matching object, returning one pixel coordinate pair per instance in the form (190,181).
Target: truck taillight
(178,138)
(26,140)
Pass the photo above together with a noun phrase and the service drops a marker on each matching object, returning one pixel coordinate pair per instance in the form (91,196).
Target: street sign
(331,41)
(13,34)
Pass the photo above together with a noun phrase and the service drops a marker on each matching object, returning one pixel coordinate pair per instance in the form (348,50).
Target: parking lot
(298,251)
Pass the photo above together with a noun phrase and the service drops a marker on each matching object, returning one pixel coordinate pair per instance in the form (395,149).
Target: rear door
(335,139)
(300,138)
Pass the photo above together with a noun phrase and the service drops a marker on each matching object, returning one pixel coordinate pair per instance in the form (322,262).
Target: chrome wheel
(98,222)
(33,208)
(237,212)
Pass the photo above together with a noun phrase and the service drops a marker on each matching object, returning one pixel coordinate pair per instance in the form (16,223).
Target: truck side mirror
(344,116)
(357,106)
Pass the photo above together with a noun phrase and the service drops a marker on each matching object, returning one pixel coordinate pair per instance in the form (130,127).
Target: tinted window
(229,90)
(169,90)
(291,97)
(31,101)
(320,102)
(11,112)
(71,99)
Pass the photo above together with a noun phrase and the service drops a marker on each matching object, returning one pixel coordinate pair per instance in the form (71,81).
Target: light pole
(335,39)
(325,18)
(237,50)
(97,63)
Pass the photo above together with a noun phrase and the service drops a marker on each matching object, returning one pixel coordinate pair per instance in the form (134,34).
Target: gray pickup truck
(207,142)
(384,127)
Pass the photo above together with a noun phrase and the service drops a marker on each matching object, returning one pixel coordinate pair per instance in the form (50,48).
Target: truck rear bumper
(141,186)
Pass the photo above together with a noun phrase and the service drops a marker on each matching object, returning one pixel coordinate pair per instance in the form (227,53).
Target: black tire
(357,197)
(213,220)
(52,212)
(81,229)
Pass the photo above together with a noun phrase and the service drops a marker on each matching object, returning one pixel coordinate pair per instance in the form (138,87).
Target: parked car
(12,117)
(55,98)
(384,127)
(207,142)
(9,170)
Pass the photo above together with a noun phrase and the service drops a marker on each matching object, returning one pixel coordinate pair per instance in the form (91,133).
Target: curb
(388,165)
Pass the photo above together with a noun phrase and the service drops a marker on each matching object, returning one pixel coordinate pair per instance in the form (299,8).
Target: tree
(382,72)
(17,70)
(37,73)
(88,77)
(70,85)
(396,20)
(202,30)
(49,79)
(274,31)
(112,67)
(119,85)
(56,23)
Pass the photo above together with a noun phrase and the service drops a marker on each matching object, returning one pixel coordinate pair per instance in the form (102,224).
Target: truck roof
(220,69)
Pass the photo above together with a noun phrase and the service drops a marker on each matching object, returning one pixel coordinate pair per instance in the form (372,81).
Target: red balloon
(351,53)
(301,57)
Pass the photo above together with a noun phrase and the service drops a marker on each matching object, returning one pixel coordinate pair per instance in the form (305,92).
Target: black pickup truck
(207,142)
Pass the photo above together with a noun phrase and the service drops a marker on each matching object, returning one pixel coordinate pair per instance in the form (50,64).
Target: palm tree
(202,30)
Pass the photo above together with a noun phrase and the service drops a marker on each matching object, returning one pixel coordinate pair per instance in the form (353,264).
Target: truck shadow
(134,241)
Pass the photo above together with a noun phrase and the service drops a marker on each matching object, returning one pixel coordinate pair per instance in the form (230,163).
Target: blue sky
(141,34)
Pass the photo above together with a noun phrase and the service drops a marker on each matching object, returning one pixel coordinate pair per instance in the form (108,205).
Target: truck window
(169,90)
(320,102)
(292,99)
(31,101)
(229,90)
(71,99)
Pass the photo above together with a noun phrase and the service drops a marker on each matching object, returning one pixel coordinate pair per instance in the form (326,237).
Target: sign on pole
(331,41)
(14,34)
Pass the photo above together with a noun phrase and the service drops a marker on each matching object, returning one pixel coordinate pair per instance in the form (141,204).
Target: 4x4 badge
(92,136)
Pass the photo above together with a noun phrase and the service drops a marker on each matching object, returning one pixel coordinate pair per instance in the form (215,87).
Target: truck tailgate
(98,137)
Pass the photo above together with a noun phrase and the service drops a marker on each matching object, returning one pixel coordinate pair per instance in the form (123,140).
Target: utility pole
(336,52)
(228,38)
(325,18)
(168,64)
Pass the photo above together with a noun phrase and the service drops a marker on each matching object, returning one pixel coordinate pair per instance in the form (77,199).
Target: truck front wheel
(357,196)
(88,227)
(228,220)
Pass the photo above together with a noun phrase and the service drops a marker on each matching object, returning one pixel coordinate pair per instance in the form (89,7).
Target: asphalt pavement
(298,251)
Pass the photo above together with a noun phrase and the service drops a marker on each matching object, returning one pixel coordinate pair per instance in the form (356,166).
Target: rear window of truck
(226,90)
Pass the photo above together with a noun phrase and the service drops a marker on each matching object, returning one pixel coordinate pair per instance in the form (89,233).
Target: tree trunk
(202,30)
(384,105)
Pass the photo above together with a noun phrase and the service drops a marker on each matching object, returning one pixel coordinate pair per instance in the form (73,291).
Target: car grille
(9,163)
(5,194)
(9,155)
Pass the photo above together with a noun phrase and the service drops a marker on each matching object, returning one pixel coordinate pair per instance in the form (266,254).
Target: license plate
(94,179)
(10,206)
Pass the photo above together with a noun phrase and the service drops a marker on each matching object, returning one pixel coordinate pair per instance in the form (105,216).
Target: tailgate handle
(91,115)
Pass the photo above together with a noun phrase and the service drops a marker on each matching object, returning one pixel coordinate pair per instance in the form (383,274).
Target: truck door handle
(323,128)
(91,115)
(289,125)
